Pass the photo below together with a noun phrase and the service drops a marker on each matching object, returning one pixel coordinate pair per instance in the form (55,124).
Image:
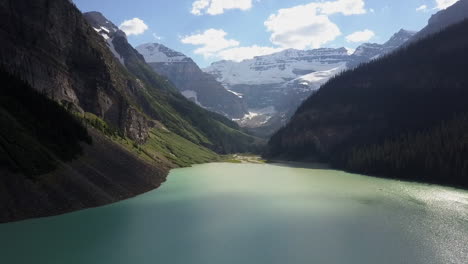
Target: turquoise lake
(222,213)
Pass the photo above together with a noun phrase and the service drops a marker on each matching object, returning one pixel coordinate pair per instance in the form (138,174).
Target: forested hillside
(401,116)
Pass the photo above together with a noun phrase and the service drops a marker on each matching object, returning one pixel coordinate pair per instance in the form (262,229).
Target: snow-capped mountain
(281,81)
(192,82)
(277,68)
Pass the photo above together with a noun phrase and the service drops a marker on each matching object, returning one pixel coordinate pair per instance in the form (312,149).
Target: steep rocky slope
(140,125)
(50,163)
(192,82)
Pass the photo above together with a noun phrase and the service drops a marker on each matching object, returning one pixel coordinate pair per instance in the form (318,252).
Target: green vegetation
(35,131)
(176,149)
(101,125)
(196,124)
(163,146)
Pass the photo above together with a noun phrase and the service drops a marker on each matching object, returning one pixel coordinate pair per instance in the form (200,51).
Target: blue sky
(211,30)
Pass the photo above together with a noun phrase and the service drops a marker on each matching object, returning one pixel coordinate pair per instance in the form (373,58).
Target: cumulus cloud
(214,44)
(133,26)
(217,7)
(360,36)
(421,8)
(211,41)
(309,26)
(443,4)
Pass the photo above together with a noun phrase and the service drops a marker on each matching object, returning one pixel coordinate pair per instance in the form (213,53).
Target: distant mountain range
(273,86)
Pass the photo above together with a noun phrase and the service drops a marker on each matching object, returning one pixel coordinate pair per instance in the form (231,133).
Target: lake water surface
(255,214)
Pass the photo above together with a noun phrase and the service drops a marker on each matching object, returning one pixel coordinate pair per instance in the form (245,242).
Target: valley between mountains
(87,119)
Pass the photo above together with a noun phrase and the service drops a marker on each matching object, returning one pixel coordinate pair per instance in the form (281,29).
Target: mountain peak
(400,38)
(102,25)
(157,53)
(406,31)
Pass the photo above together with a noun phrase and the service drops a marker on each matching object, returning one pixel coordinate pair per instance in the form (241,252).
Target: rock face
(192,82)
(280,82)
(62,57)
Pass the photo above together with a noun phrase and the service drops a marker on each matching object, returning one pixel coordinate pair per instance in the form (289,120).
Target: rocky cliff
(50,44)
(140,125)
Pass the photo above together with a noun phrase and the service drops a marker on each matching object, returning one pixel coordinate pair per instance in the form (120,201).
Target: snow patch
(191,95)
(236,94)
(257,117)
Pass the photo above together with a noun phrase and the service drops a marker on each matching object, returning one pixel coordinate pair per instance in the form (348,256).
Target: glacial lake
(223,213)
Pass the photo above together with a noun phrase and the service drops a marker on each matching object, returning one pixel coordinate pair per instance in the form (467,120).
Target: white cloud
(443,4)
(133,26)
(217,7)
(346,7)
(214,44)
(309,26)
(422,8)
(211,41)
(245,53)
(360,36)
